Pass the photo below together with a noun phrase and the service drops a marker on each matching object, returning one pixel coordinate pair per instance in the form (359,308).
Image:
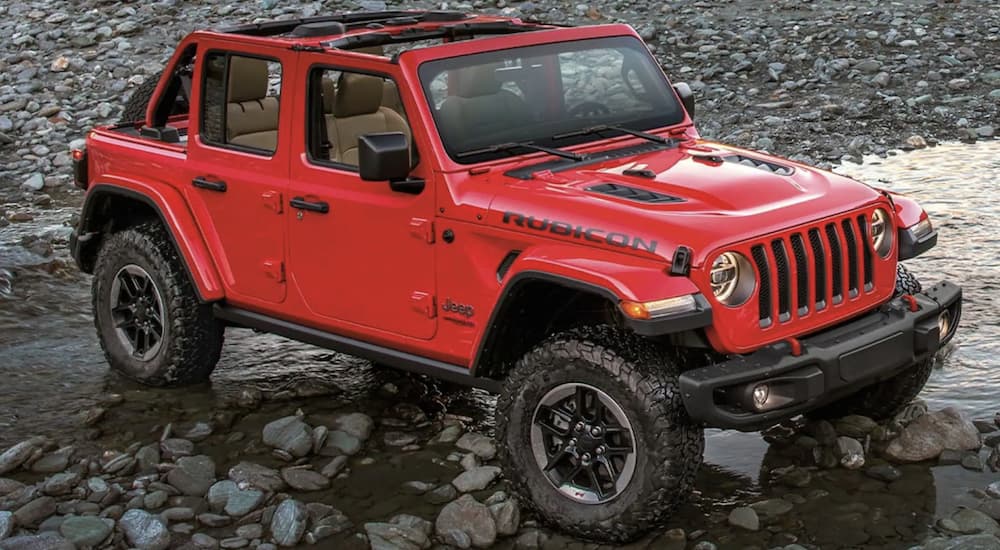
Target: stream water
(51,370)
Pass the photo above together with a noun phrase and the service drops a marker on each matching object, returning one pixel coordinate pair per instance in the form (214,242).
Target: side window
(240,102)
(345,105)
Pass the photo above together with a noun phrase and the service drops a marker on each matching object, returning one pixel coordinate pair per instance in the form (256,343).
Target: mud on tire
(642,380)
(191,338)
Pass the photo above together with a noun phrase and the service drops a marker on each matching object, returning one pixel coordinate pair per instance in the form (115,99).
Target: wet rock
(531,538)
(8,486)
(61,484)
(985,426)
(214,520)
(993,489)
(791,476)
(467,515)
(358,425)
(219,493)
(449,434)
(144,531)
(175,448)
(258,476)
(319,436)
(950,457)
(289,434)
(915,142)
(199,431)
(193,475)
(302,479)
(972,461)
(154,500)
(745,518)
(991,508)
(234,542)
(202,540)
(850,452)
(178,513)
(42,541)
(442,494)
(967,542)
(14,457)
(334,523)
(506,517)
(927,436)
(476,479)
(85,531)
(6,524)
(341,443)
(243,502)
(469,462)
(35,511)
(398,439)
(970,522)
(288,524)
(385,536)
(478,444)
(884,472)
(855,426)
(53,462)
(416,487)
(772,507)
(334,467)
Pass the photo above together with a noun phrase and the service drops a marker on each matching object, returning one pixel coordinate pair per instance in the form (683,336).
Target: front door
(359,252)
(238,170)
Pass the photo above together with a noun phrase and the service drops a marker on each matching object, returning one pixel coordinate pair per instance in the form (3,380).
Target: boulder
(476,479)
(289,434)
(930,434)
(258,476)
(289,523)
(468,516)
(193,476)
(478,444)
(144,530)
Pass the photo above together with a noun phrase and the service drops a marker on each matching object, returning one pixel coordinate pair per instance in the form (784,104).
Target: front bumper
(832,364)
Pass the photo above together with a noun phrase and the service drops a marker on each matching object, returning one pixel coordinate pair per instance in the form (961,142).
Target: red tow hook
(910,299)
(795,345)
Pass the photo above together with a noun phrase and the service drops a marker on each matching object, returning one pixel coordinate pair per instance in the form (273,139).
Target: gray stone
(991,508)
(14,457)
(257,476)
(870,66)
(147,458)
(234,542)
(155,500)
(61,484)
(855,426)
(53,462)
(288,524)
(476,479)
(35,511)
(950,457)
(202,540)
(6,524)
(402,537)
(42,541)
(745,518)
(334,467)
(214,520)
(144,530)
(972,461)
(341,443)
(35,182)
(175,448)
(358,425)
(971,522)
(442,494)
(927,436)
(398,439)
(250,531)
(219,493)
(850,452)
(289,434)
(478,444)
(302,479)
(449,434)
(506,517)
(884,472)
(772,507)
(193,475)
(469,516)
(243,502)
(993,489)
(966,542)
(86,531)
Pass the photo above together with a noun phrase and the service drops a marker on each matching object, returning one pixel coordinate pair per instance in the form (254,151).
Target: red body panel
(376,267)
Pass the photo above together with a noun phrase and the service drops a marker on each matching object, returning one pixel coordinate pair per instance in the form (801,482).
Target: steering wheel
(588,108)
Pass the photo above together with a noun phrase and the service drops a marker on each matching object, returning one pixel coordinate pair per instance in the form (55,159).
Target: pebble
(478,444)
(745,518)
(288,524)
(144,531)
(302,479)
(290,434)
(85,531)
(476,479)
(194,475)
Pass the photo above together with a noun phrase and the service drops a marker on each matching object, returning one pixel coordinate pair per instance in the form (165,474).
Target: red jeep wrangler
(512,206)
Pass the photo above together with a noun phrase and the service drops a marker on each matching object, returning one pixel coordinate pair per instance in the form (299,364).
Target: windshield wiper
(611,127)
(506,147)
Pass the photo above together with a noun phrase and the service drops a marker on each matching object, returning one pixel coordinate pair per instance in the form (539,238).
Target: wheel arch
(113,207)
(544,293)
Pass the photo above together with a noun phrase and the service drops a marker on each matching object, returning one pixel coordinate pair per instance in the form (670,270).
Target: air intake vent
(760,164)
(631,193)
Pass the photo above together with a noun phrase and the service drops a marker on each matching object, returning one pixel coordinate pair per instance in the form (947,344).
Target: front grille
(835,265)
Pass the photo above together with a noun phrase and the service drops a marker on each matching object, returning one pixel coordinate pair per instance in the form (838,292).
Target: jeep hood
(701,195)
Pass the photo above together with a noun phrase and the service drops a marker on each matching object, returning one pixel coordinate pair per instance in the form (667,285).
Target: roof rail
(459,30)
(349,20)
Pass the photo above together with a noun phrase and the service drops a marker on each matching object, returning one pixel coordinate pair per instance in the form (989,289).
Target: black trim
(84,231)
(373,352)
(834,363)
(556,166)
(911,247)
(651,327)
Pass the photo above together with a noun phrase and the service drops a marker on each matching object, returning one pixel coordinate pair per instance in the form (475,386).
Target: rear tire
(151,325)
(634,404)
(135,107)
(885,399)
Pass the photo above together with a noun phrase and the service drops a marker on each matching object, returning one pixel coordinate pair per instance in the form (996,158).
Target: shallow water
(52,370)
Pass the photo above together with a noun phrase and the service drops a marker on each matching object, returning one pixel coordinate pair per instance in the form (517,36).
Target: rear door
(238,166)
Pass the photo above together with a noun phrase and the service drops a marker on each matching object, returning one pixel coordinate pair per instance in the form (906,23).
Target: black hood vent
(632,193)
(764,165)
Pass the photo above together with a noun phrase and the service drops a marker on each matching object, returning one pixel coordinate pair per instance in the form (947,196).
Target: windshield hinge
(306,48)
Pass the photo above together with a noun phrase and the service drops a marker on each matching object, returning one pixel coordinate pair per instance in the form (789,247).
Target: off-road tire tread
(650,374)
(196,337)
(135,107)
(886,399)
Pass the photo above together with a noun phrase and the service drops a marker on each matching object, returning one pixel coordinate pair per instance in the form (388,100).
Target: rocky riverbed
(391,461)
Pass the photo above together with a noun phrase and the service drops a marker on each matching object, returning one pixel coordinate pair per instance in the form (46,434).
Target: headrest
(357,94)
(478,81)
(370,50)
(329,95)
(247,79)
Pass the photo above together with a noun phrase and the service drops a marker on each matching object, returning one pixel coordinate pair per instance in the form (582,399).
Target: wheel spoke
(126,324)
(126,286)
(592,474)
(547,425)
(618,451)
(581,402)
(610,467)
(555,459)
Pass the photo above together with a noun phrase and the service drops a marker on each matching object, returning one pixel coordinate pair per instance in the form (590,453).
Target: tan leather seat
(252,116)
(390,93)
(358,110)
(480,106)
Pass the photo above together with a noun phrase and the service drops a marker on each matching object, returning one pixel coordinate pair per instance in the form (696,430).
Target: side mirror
(687,97)
(383,157)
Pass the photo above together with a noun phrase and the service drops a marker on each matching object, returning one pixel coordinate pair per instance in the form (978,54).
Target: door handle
(202,183)
(319,206)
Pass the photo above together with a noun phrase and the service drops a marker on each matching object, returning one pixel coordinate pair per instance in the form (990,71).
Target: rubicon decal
(592,234)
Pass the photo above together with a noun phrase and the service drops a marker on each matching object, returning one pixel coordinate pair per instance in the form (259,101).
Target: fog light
(760,394)
(944,324)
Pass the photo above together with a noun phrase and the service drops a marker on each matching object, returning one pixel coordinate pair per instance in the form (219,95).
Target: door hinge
(424,303)
(422,229)
(275,270)
(272,200)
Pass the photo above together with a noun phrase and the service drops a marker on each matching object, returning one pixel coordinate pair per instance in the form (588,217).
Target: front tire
(151,325)
(593,434)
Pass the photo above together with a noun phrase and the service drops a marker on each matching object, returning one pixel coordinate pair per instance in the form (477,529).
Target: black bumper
(832,364)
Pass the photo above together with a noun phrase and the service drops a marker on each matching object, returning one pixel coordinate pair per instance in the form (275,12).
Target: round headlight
(881,232)
(732,278)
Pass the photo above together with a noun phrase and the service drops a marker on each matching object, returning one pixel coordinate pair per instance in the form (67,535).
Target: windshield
(536,93)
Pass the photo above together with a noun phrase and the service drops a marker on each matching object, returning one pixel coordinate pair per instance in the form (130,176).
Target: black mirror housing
(686,94)
(384,156)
